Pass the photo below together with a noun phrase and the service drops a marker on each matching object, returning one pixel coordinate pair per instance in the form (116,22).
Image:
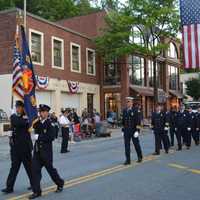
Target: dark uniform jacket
(197,121)
(131,118)
(182,120)
(158,122)
(43,146)
(20,140)
(172,119)
(191,120)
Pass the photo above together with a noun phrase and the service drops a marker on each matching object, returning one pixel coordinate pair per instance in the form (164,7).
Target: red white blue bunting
(42,81)
(73,86)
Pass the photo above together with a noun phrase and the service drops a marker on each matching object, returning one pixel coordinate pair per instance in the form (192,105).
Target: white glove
(189,129)
(35,136)
(175,129)
(197,129)
(136,134)
(166,129)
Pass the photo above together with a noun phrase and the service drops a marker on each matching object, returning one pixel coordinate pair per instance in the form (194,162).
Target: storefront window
(112,104)
(112,73)
(136,70)
(173,77)
(150,73)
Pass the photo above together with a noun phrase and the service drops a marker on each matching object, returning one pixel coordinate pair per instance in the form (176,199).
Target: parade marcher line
(87,178)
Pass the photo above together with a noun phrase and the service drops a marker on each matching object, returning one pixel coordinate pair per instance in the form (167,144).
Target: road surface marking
(184,168)
(87,178)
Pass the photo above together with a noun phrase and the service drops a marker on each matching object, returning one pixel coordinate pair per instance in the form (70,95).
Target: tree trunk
(155,86)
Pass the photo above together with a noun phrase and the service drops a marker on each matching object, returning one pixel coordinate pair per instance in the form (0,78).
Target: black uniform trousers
(172,133)
(38,163)
(188,138)
(180,133)
(195,136)
(65,139)
(18,158)
(128,136)
(161,138)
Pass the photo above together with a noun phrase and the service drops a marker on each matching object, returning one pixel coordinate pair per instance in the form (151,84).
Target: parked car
(3,115)
(193,104)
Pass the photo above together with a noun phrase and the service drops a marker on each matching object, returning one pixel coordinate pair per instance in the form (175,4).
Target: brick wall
(7,35)
(88,24)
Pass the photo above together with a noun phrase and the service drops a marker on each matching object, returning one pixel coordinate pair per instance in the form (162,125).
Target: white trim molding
(53,38)
(79,51)
(42,45)
(94,61)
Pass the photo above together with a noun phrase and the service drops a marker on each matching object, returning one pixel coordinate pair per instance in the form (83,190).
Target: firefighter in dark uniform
(55,123)
(131,120)
(43,152)
(160,127)
(172,118)
(190,127)
(197,127)
(181,126)
(20,146)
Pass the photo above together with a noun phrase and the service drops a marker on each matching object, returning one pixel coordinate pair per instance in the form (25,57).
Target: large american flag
(17,70)
(190,20)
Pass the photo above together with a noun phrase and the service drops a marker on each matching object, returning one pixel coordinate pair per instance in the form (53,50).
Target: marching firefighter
(20,147)
(43,152)
(160,126)
(197,126)
(181,126)
(131,120)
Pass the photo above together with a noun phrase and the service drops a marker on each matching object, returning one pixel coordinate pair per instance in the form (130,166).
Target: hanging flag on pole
(190,21)
(29,82)
(17,86)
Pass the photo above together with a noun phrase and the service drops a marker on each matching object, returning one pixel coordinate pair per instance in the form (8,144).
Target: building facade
(62,59)
(64,52)
(133,74)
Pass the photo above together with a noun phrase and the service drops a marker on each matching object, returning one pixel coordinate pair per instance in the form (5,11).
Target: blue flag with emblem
(29,81)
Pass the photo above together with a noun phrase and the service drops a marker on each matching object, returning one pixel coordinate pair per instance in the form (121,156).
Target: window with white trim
(57,53)
(36,41)
(91,65)
(75,58)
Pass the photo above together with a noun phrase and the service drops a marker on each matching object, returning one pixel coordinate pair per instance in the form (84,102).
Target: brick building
(59,54)
(133,74)
(66,52)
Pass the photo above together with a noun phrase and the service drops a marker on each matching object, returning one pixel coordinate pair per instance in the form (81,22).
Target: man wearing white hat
(131,121)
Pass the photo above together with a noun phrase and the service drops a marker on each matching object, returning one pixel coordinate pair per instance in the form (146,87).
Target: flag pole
(25,5)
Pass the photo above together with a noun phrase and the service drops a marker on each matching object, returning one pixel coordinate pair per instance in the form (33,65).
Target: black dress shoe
(155,154)
(139,160)
(127,162)
(29,188)
(179,149)
(34,196)
(7,191)
(59,189)
(166,151)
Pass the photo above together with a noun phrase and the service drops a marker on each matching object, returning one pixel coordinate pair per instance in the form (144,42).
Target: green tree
(192,88)
(154,19)
(51,9)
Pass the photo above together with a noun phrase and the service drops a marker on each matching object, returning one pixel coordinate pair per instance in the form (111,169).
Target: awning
(176,93)
(144,91)
(149,92)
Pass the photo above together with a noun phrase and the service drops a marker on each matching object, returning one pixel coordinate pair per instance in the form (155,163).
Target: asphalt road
(93,170)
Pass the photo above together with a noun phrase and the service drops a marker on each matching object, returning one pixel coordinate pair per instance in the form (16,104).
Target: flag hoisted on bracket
(190,21)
